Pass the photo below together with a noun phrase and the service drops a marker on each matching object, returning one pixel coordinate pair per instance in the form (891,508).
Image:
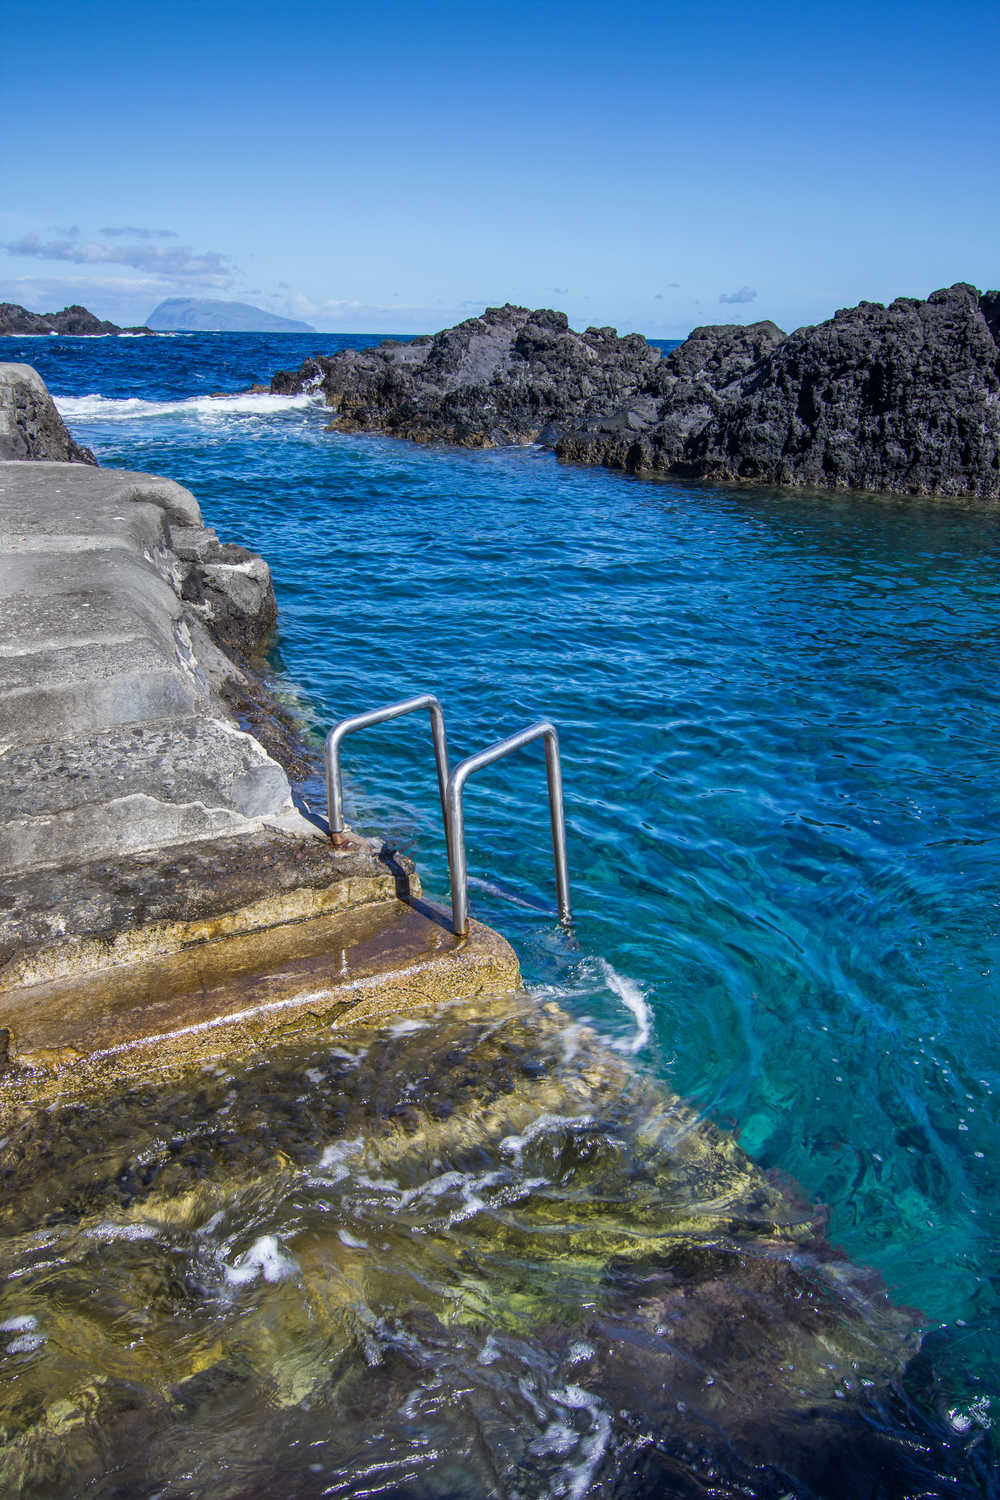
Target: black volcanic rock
(30,425)
(511,376)
(75,320)
(688,393)
(902,399)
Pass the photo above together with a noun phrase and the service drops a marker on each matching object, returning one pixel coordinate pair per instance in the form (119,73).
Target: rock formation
(75,320)
(511,376)
(901,399)
(30,426)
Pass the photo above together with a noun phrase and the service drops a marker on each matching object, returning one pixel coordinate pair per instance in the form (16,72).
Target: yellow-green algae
(478,1233)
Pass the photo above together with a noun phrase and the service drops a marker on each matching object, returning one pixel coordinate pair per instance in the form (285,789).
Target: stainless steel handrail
(334,787)
(455,819)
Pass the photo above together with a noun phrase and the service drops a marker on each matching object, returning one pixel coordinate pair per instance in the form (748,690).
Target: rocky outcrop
(901,399)
(229,587)
(30,426)
(76,321)
(511,376)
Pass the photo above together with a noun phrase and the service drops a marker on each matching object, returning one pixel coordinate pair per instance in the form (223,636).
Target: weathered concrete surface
(243,992)
(112,738)
(158,880)
(30,426)
(67,919)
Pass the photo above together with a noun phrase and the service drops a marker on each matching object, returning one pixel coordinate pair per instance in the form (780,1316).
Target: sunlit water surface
(779,718)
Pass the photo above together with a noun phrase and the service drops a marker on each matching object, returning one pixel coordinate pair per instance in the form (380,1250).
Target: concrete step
(84,689)
(139,786)
(243,992)
(77,919)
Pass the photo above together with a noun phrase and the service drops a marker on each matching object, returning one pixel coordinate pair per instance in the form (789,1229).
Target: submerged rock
(901,399)
(471,1254)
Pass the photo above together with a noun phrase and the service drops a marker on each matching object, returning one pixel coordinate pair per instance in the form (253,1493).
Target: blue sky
(395,166)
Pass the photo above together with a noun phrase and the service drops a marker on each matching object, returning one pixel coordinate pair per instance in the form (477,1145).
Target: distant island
(194,315)
(77,321)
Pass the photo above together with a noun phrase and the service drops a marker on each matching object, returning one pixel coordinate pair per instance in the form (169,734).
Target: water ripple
(779,717)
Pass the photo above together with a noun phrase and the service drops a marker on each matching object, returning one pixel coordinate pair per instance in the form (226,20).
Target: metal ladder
(451,786)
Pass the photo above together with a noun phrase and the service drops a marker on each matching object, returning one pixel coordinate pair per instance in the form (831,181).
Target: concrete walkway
(157,879)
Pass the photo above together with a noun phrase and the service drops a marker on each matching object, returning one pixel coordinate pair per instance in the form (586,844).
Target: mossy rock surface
(454,1234)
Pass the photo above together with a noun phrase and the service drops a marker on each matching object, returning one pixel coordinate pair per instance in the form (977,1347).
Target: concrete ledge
(242,993)
(163,900)
(92,795)
(74,920)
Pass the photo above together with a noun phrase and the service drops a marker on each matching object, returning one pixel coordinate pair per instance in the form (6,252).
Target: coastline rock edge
(158,867)
(30,425)
(903,399)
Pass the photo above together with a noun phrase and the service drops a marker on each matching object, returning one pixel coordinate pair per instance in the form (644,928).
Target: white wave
(350,1241)
(354,1058)
(26,1343)
(633,998)
(592,1446)
(110,1232)
(207,1230)
(331,1163)
(26,1323)
(514,1145)
(200,408)
(28,1335)
(580,1351)
(405,1028)
(264,1258)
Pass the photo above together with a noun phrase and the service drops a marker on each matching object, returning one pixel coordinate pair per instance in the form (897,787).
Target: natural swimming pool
(779,715)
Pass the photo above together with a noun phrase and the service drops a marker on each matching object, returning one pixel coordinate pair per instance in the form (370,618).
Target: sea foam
(264,1258)
(631,996)
(200,408)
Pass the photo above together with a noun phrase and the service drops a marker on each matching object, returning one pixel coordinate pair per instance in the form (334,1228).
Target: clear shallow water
(779,720)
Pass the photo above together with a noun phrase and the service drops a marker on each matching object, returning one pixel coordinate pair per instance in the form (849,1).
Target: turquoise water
(779,718)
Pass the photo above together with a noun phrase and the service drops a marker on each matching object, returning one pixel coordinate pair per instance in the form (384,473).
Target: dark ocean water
(780,718)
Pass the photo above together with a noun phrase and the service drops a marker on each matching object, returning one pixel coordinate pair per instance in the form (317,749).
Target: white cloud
(140,234)
(206,268)
(745,294)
